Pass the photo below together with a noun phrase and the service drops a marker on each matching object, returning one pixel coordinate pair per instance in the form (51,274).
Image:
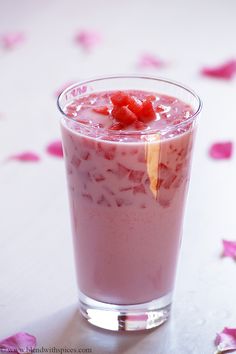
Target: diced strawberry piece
(169,180)
(142,158)
(103,201)
(136,176)
(108,190)
(87,197)
(139,189)
(178,167)
(165,203)
(163,170)
(135,106)
(120,98)
(159,109)
(88,143)
(139,125)
(98,177)
(120,202)
(117,126)
(122,171)
(75,161)
(85,155)
(159,183)
(125,189)
(178,181)
(108,152)
(147,112)
(124,115)
(133,151)
(102,110)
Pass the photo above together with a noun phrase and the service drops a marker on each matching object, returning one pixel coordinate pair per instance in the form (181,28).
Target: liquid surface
(169,113)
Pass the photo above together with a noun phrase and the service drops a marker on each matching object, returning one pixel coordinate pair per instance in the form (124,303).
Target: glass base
(125,317)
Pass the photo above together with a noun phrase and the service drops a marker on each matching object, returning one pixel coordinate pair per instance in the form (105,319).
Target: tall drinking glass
(127,192)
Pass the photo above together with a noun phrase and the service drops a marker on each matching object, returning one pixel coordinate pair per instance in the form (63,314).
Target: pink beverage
(128,155)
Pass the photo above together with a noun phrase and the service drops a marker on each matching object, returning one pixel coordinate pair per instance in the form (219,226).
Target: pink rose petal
(12,39)
(229,249)
(55,148)
(18,343)
(150,61)
(63,87)
(221,150)
(27,156)
(88,39)
(226,340)
(225,71)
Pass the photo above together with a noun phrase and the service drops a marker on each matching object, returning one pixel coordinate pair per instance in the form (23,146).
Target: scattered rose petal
(55,148)
(150,61)
(229,249)
(88,39)
(12,39)
(26,156)
(18,343)
(225,71)
(63,87)
(226,340)
(221,150)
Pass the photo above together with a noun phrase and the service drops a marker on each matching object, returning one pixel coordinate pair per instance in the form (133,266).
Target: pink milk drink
(127,146)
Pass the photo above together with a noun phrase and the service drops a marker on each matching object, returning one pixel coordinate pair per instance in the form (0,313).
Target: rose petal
(226,340)
(55,148)
(221,150)
(18,343)
(150,61)
(12,39)
(27,156)
(88,39)
(229,249)
(63,87)
(225,71)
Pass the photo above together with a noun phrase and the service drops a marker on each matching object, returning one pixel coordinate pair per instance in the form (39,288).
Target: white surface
(37,282)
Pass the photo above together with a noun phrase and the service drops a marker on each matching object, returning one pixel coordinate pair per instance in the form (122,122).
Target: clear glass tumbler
(127,194)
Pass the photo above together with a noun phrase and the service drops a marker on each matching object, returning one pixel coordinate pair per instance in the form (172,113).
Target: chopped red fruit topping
(124,115)
(120,98)
(147,112)
(135,106)
(139,189)
(136,176)
(102,110)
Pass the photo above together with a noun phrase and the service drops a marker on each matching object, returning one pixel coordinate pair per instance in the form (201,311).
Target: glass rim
(129,76)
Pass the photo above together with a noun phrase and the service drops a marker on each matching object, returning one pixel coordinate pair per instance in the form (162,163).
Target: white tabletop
(37,283)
